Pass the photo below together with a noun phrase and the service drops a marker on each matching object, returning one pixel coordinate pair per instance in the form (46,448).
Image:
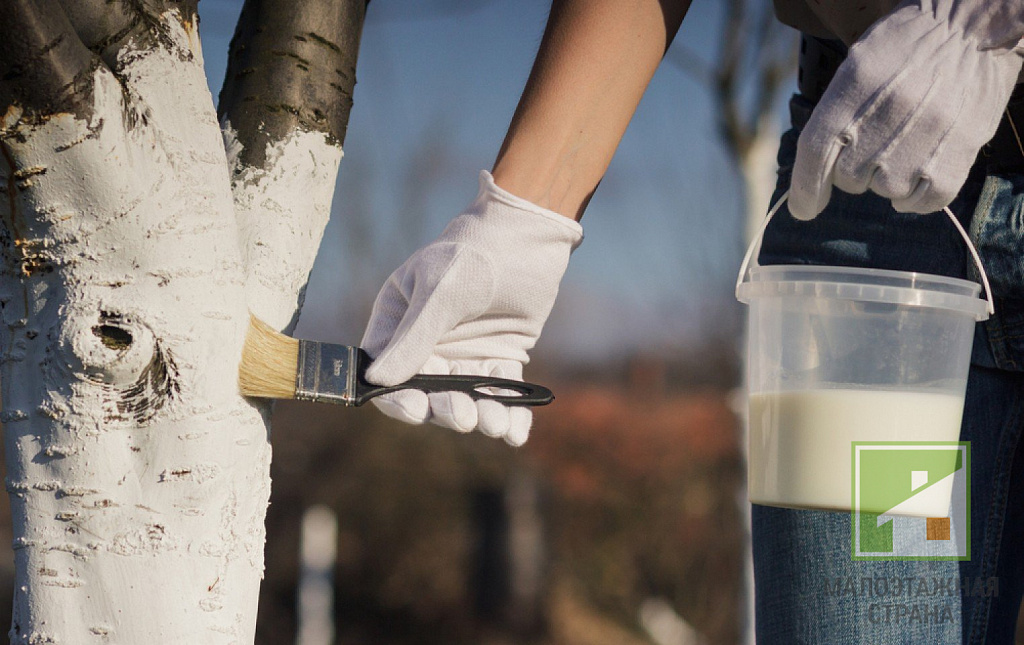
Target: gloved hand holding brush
(473,301)
(907,112)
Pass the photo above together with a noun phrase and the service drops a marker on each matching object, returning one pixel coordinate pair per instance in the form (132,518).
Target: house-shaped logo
(911,501)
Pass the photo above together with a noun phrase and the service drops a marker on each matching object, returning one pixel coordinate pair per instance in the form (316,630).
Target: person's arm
(474,300)
(594,63)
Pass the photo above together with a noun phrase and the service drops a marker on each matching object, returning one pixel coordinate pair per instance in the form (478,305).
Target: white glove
(907,112)
(473,301)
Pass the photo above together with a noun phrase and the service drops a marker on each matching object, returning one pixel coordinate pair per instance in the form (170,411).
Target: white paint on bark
(282,211)
(138,476)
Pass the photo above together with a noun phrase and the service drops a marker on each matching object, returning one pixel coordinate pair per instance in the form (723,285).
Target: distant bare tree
(757,57)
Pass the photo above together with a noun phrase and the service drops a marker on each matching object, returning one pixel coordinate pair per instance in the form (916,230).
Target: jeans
(802,559)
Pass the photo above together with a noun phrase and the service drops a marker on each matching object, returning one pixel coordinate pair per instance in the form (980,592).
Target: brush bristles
(269,363)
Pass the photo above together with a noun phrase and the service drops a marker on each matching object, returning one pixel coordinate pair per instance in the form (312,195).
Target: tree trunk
(134,245)
(758,169)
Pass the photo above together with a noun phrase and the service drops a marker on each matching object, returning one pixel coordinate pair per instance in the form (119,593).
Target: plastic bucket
(838,355)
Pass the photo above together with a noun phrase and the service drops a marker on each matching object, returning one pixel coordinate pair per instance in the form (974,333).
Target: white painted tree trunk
(758,169)
(138,476)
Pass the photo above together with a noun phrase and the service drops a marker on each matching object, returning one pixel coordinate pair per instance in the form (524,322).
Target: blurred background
(622,520)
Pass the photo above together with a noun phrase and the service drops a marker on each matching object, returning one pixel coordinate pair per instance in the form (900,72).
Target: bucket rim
(910,288)
(755,243)
(889,276)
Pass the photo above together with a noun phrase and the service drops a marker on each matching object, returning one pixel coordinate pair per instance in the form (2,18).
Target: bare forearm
(594,63)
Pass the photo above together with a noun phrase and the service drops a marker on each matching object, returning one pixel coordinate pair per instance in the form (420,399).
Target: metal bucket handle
(756,243)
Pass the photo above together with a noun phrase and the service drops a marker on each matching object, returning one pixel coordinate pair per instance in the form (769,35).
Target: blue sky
(434,95)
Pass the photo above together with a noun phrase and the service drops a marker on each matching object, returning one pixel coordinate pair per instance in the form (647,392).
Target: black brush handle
(526,393)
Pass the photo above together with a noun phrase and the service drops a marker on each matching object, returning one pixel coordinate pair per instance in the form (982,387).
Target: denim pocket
(998,231)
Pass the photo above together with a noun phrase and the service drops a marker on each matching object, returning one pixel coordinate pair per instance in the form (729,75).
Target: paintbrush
(276,366)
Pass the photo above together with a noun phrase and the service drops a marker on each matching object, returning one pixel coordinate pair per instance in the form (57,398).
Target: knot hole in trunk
(135,376)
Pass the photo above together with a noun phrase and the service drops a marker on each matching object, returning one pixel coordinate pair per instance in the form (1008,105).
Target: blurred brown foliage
(644,496)
(637,498)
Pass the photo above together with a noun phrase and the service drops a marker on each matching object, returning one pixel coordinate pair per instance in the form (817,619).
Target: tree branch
(773,73)
(743,45)
(690,63)
(772,68)
(299,74)
(106,26)
(44,67)
(727,79)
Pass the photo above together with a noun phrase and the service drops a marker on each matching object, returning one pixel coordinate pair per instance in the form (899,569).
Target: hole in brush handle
(504,391)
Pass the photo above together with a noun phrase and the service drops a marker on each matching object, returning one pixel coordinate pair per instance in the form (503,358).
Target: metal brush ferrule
(326,373)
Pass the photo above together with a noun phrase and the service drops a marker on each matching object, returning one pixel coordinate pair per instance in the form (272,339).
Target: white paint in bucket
(801,442)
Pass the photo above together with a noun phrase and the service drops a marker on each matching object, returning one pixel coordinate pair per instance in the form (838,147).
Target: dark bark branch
(292,65)
(727,79)
(44,67)
(771,70)
(106,26)
(775,67)
(690,63)
(740,120)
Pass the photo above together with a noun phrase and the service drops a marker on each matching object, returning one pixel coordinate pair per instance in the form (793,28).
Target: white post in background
(665,626)
(527,552)
(316,577)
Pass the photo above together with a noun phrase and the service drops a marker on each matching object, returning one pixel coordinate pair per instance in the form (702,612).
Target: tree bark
(284,107)
(134,244)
